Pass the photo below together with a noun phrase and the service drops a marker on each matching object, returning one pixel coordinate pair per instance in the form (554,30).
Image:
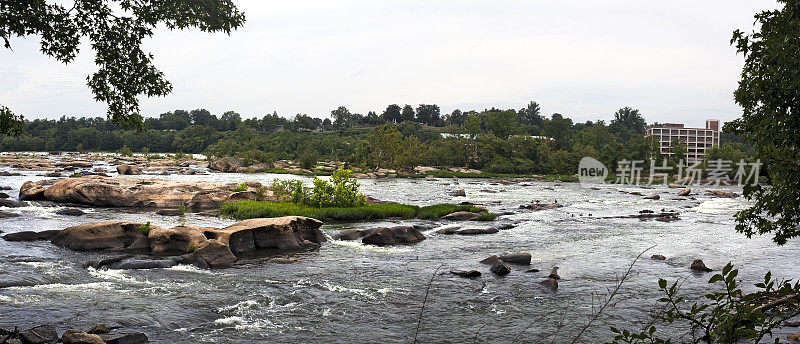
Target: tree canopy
(769,94)
(125,71)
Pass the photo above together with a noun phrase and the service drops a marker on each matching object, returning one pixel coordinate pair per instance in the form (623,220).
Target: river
(347,292)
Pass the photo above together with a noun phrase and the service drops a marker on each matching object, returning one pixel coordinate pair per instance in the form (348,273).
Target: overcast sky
(585,59)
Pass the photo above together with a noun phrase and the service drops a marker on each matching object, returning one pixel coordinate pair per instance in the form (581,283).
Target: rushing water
(346,292)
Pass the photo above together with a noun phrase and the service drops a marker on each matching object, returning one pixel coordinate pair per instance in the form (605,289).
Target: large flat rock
(138,192)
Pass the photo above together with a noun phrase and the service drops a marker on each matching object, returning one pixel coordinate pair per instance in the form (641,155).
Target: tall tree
(627,123)
(428,114)
(408,113)
(121,77)
(530,115)
(341,117)
(769,94)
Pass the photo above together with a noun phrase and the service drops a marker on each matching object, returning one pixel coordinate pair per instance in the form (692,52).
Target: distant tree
(392,114)
(229,121)
(501,123)
(372,118)
(176,120)
(678,150)
(428,114)
(558,128)
(408,114)
(203,117)
(385,143)
(10,124)
(456,118)
(125,70)
(326,124)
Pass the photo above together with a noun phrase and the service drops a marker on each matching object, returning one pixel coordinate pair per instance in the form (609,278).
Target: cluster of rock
(202,246)
(383,236)
(46,334)
(135,192)
(501,266)
(541,206)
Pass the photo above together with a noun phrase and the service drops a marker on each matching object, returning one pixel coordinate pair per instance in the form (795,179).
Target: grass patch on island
(243,210)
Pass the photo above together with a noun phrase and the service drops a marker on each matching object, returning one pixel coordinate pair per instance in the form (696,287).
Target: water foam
(359,246)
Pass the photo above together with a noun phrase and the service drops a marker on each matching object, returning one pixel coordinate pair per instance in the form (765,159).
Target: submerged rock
(176,240)
(458,193)
(4,202)
(658,257)
(124,338)
(554,274)
(477,231)
(5,214)
(723,194)
(393,236)
(541,206)
(517,258)
(550,283)
(30,235)
(70,212)
(685,192)
(466,273)
(80,337)
(653,197)
(99,328)
(500,268)
(39,335)
(226,164)
(214,254)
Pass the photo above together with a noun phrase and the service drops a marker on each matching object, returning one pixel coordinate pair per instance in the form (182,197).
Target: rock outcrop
(226,165)
(541,206)
(685,192)
(722,194)
(203,246)
(109,235)
(698,265)
(137,192)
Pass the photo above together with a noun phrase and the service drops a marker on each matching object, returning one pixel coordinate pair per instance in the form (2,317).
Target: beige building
(697,140)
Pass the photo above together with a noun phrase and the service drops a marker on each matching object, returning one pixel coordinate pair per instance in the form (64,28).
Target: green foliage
(110,28)
(486,217)
(145,228)
(241,187)
(341,191)
(255,156)
(728,315)
(438,210)
(308,160)
(190,248)
(125,151)
(288,191)
(78,175)
(181,210)
(242,210)
(146,152)
(768,94)
(10,124)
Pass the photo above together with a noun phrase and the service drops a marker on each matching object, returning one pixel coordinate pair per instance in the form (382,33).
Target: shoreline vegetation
(243,210)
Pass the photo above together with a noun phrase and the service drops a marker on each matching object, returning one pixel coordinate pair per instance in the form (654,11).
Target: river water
(346,292)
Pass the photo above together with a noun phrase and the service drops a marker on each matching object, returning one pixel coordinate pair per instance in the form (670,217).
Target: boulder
(653,197)
(226,165)
(5,214)
(490,261)
(685,192)
(99,328)
(4,195)
(351,234)
(124,338)
(213,254)
(466,273)
(80,337)
(504,226)
(39,335)
(70,212)
(282,233)
(698,265)
(137,192)
(30,235)
(461,216)
(477,231)
(550,283)
(10,203)
(517,258)
(108,235)
(658,257)
(458,193)
(128,169)
(500,268)
(393,236)
(176,240)
(74,164)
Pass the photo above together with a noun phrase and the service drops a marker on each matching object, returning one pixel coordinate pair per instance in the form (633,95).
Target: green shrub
(190,248)
(255,156)
(181,209)
(145,228)
(438,210)
(240,188)
(308,159)
(125,151)
(486,217)
(288,191)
